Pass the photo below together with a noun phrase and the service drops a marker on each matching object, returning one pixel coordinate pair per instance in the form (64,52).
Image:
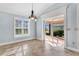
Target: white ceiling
(24,8)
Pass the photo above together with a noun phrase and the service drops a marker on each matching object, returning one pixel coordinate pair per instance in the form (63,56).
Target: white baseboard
(73,49)
(40,38)
(6,43)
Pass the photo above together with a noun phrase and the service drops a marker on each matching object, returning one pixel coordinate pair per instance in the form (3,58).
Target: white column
(52,30)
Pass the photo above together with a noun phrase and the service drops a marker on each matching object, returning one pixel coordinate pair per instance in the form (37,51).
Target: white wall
(7,28)
(39,29)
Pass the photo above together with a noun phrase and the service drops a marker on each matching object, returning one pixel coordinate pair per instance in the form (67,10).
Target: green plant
(58,32)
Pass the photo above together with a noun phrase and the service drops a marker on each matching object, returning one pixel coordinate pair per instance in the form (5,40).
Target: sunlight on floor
(54,42)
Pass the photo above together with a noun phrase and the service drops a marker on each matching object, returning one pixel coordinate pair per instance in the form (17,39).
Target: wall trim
(73,49)
(16,41)
(39,38)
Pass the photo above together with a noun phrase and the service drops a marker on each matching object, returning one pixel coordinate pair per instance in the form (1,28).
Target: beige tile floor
(34,48)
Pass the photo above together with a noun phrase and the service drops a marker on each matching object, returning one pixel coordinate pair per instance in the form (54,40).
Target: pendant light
(32,16)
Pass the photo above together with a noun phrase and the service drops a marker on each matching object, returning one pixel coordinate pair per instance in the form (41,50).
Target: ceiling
(24,8)
(56,21)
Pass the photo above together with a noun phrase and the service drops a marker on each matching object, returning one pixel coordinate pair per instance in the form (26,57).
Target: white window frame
(22,19)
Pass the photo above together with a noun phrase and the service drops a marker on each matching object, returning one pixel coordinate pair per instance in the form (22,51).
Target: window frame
(22,27)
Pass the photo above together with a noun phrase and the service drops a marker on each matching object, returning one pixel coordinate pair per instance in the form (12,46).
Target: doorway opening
(54,31)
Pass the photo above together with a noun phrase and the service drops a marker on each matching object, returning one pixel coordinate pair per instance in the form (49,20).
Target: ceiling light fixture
(32,16)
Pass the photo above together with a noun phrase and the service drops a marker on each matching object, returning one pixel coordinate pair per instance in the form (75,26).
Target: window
(21,27)
(25,27)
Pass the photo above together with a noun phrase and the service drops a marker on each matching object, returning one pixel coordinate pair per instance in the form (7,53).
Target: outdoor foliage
(59,32)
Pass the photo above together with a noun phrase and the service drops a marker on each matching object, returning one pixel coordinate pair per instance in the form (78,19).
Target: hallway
(34,48)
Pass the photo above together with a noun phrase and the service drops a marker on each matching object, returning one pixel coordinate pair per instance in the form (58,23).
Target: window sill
(21,35)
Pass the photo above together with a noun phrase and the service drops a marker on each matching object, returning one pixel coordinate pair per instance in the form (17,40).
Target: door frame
(65,27)
(43,28)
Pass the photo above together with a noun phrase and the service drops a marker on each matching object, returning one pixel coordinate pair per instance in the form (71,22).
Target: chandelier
(32,16)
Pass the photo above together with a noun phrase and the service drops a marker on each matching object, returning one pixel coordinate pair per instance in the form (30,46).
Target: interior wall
(7,28)
(39,29)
